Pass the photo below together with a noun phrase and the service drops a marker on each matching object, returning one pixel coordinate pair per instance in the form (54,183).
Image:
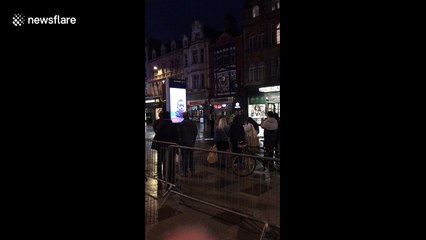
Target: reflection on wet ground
(259,191)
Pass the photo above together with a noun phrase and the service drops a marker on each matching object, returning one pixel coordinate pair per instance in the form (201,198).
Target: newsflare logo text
(19,19)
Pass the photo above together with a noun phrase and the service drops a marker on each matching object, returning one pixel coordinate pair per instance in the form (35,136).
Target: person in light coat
(270,126)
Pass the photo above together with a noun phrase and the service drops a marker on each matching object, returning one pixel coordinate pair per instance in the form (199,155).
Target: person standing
(277,142)
(166,132)
(187,133)
(157,121)
(212,121)
(254,123)
(251,136)
(221,139)
(237,133)
(270,126)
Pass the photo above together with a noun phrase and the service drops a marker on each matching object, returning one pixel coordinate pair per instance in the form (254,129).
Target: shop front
(196,109)
(152,109)
(261,102)
(272,98)
(222,106)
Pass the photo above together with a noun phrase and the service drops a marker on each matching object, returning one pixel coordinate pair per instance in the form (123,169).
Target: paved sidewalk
(179,211)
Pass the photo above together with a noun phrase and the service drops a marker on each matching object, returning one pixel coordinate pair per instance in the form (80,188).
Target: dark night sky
(170,19)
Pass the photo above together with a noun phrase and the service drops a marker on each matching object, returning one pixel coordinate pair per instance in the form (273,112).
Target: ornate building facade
(162,61)
(226,68)
(261,38)
(196,67)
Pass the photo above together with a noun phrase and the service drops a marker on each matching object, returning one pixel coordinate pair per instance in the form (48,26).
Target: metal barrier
(255,197)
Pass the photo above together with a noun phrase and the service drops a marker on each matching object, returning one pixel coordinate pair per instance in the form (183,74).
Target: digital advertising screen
(176,98)
(177,104)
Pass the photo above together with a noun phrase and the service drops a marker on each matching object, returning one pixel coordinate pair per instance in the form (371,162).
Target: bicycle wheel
(243,165)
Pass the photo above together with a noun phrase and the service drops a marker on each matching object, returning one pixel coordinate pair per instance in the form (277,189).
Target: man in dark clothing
(187,133)
(212,120)
(237,133)
(166,132)
(157,121)
(277,142)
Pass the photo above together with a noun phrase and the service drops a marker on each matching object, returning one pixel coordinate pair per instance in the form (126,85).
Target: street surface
(179,211)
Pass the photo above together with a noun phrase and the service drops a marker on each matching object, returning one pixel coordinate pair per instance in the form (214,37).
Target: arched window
(255,11)
(278,33)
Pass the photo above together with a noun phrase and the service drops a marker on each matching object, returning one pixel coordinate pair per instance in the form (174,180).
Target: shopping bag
(212,156)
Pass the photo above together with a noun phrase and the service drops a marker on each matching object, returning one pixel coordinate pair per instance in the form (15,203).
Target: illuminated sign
(237,105)
(176,99)
(270,89)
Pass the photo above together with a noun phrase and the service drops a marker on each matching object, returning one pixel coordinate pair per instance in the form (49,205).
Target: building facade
(196,70)
(261,40)
(226,68)
(162,62)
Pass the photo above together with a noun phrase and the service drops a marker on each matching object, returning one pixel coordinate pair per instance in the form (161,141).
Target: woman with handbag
(221,140)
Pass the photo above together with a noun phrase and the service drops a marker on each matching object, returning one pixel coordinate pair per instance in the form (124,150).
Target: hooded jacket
(270,124)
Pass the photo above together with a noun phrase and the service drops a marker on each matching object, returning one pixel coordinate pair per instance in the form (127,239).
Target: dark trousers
(236,149)
(270,142)
(188,160)
(222,146)
(166,164)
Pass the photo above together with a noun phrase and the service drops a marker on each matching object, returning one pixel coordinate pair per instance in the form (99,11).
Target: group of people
(244,132)
(183,133)
(240,132)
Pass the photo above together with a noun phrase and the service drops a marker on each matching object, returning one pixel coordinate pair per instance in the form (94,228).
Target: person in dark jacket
(157,121)
(166,132)
(221,139)
(277,142)
(237,133)
(187,133)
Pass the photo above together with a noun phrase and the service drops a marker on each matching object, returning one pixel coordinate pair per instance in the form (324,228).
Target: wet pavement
(166,212)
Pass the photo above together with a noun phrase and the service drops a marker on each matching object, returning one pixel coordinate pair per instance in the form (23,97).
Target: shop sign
(237,105)
(193,103)
(152,100)
(270,89)
(257,100)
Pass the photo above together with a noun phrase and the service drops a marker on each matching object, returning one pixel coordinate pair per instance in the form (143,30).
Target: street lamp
(155,67)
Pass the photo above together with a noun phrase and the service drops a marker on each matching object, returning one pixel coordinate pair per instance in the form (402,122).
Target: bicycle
(243,166)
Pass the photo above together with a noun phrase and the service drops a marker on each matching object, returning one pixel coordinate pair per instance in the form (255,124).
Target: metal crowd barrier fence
(256,196)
